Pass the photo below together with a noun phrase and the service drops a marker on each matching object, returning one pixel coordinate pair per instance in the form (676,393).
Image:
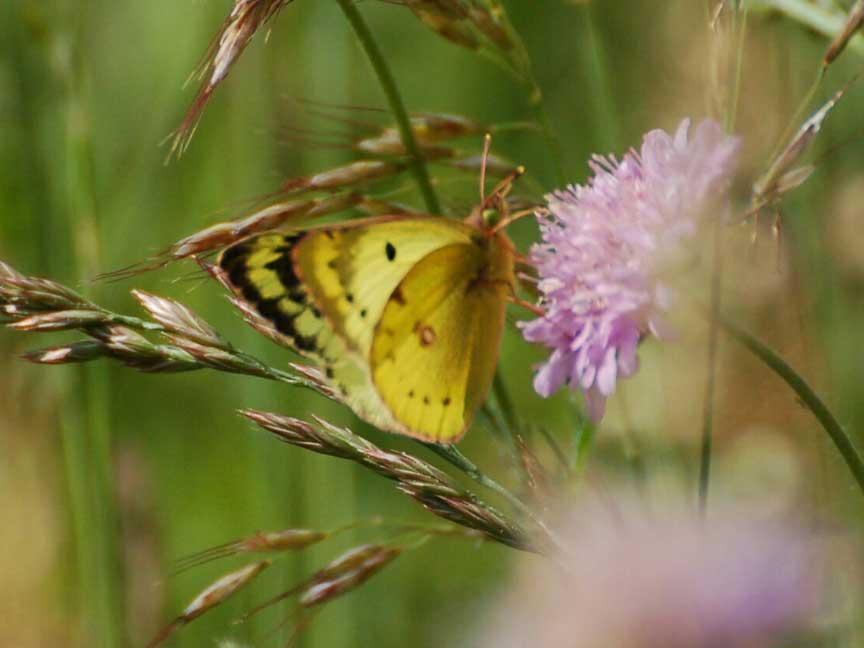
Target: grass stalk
(709,398)
(606,114)
(87,437)
(807,396)
(394,99)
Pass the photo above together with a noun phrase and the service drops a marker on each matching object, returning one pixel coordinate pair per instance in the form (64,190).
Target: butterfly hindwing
(261,271)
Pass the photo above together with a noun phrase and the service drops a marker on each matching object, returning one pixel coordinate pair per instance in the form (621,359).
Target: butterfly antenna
(503,188)
(487,145)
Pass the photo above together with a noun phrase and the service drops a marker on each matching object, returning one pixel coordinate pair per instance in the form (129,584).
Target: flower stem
(709,401)
(807,396)
(397,106)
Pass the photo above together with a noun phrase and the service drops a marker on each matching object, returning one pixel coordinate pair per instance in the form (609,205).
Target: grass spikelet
(261,542)
(342,575)
(241,25)
(349,175)
(446,24)
(209,598)
(82,351)
(782,175)
(63,320)
(180,320)
(347,573)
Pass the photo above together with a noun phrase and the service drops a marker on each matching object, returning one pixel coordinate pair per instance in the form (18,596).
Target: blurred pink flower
(603,247)
(634,579)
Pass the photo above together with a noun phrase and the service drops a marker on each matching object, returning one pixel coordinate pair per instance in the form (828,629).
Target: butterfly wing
(325,289)
(352,270)
(435,347)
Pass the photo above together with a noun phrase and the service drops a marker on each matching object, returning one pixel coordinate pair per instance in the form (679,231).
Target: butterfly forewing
(351,271)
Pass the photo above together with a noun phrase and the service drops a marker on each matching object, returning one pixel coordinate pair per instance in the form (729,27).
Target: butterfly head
(493,212)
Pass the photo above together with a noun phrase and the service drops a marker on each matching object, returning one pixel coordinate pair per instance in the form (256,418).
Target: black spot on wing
(390,251)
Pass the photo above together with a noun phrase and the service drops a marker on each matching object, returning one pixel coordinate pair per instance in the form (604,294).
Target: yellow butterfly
(403,313)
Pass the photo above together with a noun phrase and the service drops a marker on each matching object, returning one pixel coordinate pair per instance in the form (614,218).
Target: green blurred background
(106,476)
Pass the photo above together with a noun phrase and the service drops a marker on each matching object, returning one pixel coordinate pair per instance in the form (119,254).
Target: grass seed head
(347,573)
(214,595)
(238,29)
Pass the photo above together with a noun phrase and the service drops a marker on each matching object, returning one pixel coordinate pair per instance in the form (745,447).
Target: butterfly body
(403,313)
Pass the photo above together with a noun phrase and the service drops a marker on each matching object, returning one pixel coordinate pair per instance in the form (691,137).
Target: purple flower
(604,246)
(634,579)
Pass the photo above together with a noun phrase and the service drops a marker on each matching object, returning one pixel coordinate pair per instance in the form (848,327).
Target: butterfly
(404,314)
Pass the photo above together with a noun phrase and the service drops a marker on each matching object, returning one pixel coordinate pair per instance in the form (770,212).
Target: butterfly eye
(491,216)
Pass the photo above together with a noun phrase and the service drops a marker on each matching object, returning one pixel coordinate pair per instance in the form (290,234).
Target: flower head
(632,579)
(603,247)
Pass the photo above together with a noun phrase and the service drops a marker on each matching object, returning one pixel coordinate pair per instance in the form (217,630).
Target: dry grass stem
(850,28)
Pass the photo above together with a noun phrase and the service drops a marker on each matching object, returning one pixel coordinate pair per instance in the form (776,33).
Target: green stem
(741,27)
(505,403)
(397,106)
(606,117)
(524,71)
(539,106)
(88,440)
(807,396)
(710,381)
